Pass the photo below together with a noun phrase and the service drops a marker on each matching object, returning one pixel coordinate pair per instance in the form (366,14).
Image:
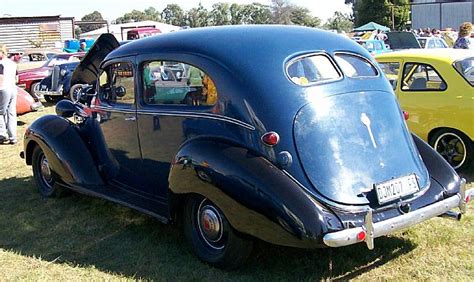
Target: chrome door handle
(132,118)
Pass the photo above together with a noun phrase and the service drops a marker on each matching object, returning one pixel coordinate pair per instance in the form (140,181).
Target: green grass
(83,238)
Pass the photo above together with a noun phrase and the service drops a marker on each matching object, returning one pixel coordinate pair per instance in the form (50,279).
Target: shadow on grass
(85,231)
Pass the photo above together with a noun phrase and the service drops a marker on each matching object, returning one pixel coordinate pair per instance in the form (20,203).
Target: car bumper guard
(371,230)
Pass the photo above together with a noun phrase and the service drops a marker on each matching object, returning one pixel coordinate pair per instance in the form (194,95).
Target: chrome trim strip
(349,236)
(180,114)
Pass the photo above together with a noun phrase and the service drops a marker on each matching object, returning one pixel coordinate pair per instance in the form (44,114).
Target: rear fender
(67,154)
(438,168)
(257,198)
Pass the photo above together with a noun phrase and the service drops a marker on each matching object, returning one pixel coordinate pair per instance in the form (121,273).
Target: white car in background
(432,42)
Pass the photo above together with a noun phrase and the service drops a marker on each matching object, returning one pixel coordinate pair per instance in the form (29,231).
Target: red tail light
(361,236)
(406,115)
(270,138)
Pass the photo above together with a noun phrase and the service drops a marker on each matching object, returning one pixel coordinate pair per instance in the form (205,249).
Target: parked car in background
(57,84)
(33,58)
(25,103)
(300,143)
(436,88)
(142,32)
(30,79)
(398,40)
(374,46)
(432,42)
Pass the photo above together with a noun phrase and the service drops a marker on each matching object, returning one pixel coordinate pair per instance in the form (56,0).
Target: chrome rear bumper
(373,230)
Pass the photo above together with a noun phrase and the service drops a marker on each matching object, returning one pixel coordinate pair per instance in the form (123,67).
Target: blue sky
(112,9)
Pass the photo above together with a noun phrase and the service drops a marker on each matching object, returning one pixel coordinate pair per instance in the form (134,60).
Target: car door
(422,93)
(119,123)
(176,102)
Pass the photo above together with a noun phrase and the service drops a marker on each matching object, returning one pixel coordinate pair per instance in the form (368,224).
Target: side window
(422,77)
(311,69)
(116,84)
(391,71)
(176,83)
(355,66)
(431,44)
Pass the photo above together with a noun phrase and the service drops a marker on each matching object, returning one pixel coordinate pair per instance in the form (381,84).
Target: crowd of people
(459,40)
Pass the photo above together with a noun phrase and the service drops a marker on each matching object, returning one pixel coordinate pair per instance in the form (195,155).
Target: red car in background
(25,103)
(30,79)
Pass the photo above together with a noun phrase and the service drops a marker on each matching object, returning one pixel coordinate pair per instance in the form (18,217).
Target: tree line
(386,12)
(278,12)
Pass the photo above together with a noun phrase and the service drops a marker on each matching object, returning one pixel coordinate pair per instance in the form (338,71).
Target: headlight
(63,72)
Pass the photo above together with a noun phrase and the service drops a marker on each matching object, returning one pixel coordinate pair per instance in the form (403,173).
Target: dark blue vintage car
(57,85)
(290,135)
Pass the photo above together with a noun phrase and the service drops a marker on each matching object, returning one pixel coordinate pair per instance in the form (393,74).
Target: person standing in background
(463,41)
(8,120)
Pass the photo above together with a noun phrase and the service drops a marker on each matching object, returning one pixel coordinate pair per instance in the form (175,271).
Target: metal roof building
(441,14)
(20,33)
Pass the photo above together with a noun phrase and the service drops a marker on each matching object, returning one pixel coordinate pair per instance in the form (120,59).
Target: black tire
(219,244)
(52,99)
(74,92)
(454,146)
(44,177)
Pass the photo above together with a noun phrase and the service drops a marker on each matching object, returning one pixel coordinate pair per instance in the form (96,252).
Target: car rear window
(355,66)
(466,69)
(311,69)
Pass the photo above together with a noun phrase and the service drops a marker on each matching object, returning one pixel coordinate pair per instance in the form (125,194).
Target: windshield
(466,69)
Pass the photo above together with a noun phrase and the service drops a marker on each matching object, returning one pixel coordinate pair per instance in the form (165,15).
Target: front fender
(65,150)
(438,168)
(257,198)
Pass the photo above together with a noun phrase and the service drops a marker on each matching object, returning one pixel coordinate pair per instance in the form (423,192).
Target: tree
(281,11)
(381,12)
(197,17)
(256,13)
(340,22)
(94,16)
(302,16)
(150,14)
(220,14)
(173,14)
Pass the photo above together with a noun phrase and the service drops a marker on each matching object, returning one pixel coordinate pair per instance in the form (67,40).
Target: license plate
(396,188)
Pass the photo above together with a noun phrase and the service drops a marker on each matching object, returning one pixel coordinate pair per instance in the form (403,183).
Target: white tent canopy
(120,30)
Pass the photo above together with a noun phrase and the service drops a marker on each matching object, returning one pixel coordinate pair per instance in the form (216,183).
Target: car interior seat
(418,84)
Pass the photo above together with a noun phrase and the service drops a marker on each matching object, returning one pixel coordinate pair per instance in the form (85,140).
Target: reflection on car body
(300,142)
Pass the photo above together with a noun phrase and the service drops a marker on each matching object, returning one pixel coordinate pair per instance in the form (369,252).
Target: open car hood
(402,40)
(88,69)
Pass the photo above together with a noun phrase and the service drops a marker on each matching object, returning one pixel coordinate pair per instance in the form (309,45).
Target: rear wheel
(211,237)
(43,175)
(454,146)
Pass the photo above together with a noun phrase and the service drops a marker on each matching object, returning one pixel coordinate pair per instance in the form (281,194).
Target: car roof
(444,54)
(248,42)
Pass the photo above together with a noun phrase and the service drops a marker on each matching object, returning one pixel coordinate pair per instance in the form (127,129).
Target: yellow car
(436,88)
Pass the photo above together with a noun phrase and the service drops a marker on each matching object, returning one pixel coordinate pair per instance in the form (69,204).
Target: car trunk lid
(350,142)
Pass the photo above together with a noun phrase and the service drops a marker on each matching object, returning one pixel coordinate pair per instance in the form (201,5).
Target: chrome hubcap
(452,148)
(210,225)
(45,170)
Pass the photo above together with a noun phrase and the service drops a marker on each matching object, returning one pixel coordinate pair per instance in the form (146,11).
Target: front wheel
(454,146)
(211,237)
(75,92)
(43,175)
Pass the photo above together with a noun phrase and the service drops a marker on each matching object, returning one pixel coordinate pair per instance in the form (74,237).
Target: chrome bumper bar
(58,92)
(373,230)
